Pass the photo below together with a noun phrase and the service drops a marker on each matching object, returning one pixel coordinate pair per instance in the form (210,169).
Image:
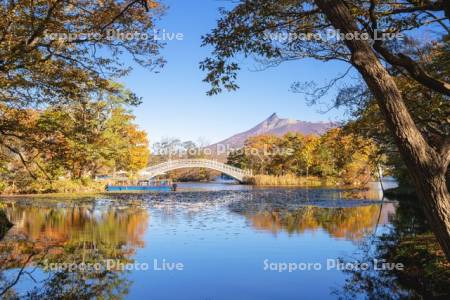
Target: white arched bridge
(171,165)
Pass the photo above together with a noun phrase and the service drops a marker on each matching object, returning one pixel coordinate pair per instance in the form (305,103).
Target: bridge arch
(170,165)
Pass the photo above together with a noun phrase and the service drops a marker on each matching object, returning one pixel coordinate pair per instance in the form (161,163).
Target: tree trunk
(446,6)
(426,165)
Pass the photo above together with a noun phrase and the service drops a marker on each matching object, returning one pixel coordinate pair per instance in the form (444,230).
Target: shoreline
(5,224)
(86,194)
(400,192)
(94,193)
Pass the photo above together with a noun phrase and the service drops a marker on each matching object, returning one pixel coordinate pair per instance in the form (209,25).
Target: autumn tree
(290,161)
(125,143)
(244,30)
(58,50)
(259,150)
(74,141)
(345,158)
(308,152)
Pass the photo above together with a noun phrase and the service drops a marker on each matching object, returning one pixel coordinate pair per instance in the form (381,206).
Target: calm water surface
(223,235)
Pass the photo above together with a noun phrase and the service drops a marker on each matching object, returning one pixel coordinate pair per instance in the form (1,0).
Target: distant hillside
(276,126)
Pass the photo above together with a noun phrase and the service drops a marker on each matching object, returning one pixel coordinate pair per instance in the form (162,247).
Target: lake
(206,241)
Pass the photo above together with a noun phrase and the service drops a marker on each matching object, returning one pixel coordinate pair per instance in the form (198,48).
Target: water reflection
(349,223)
(308,210)
(117,227)
(111,229)
(218,234)
(50,235)
(425,273)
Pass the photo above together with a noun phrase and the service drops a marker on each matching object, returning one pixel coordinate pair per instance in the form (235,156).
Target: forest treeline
(335,157)
(63,147)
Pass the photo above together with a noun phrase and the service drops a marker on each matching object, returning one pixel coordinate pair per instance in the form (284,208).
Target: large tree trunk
(426,165)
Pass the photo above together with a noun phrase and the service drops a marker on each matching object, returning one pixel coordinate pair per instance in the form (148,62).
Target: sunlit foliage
(348,157)
(71,141)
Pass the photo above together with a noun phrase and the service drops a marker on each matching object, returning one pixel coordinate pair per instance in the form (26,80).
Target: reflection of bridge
(170,165)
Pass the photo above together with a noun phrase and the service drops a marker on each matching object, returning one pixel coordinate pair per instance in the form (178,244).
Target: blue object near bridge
(126,185)
(137,188)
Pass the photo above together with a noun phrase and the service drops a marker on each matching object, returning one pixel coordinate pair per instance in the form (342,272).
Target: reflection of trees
(109,230)
(79,285)
(73,235)
(426,273)
(73,285)
(351,222)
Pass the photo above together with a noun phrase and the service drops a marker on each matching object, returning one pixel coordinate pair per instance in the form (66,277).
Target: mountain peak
(273,116)
(277,126)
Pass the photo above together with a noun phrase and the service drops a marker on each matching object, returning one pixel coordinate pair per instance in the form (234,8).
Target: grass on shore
(60,186)
(290,180)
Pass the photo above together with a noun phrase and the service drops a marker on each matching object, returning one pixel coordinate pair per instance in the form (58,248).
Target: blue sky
(175,103)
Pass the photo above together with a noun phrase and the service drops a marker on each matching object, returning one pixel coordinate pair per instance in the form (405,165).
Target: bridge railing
(199,163)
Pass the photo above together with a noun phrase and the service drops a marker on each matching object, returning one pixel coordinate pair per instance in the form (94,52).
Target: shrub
(84,185)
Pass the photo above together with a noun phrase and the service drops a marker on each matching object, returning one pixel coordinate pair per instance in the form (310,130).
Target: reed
(289,180)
